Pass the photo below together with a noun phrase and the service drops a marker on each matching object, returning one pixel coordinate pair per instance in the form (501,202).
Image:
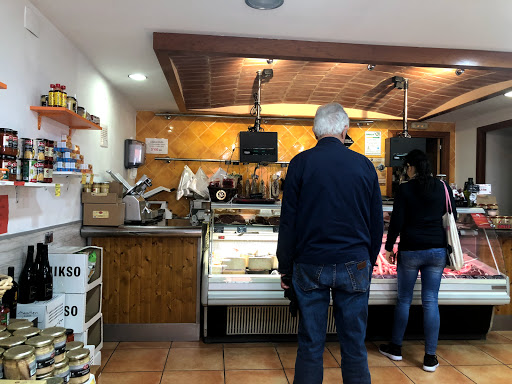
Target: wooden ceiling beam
(190,44)
(172,79)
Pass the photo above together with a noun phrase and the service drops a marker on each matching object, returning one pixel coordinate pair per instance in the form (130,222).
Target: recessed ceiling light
(508,94)
(264,4)
(137,76)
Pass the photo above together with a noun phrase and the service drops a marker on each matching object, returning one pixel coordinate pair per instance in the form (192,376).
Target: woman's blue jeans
(430,263)
(349,284)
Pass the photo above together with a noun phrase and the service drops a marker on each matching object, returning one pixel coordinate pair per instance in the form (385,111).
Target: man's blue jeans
(430,263)
(349,284)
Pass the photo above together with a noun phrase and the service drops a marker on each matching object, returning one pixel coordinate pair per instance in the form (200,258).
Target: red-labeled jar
(39,148)
(15,144)
(4,141)
(4,164)
(12,168)
(10,143)
(40,171)
(48,171)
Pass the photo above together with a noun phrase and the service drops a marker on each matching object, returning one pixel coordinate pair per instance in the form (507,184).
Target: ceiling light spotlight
(270,61)
(264,4)
(459,71)
(371,67)
(137,76)
(508,94)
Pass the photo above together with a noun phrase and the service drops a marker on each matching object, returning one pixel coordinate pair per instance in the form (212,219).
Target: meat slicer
(137,209)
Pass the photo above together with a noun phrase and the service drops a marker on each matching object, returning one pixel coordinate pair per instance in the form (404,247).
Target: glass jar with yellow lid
(74,345)
(27,332)
(79,365)
(13,327)
(45,354)
(59,336)
(55,380)
(12,341)
(105,187)
(5,335)
(62,370)
(96,188)
(20,363)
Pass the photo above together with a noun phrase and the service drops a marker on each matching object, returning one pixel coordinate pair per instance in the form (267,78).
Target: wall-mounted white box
(93,335)
(49,313)
(81,310)
(71,269)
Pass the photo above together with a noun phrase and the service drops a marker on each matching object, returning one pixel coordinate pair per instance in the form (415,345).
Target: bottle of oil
(57,96)
(51,96)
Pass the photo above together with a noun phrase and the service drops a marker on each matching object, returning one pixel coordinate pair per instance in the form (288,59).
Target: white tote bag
(455,259)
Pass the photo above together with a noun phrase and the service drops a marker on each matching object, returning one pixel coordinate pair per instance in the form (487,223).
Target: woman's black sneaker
(393,351)
(430,363)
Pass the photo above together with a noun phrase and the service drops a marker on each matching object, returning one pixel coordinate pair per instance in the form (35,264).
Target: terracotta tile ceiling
(209,82)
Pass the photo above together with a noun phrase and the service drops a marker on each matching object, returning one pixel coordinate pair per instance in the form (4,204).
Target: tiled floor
(482,362)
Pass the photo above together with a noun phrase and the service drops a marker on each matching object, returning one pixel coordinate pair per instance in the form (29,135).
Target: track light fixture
(459,71)
(371,67)
(270,61)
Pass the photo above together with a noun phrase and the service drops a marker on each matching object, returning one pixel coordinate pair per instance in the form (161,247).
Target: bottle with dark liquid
(10,298)
(27,281)
(44,277)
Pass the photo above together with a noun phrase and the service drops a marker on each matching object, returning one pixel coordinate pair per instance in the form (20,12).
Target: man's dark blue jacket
(332,208)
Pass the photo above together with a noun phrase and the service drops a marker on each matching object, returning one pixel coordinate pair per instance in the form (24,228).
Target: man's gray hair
(330,119)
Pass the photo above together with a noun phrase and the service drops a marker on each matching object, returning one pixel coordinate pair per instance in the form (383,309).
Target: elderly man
(330,234)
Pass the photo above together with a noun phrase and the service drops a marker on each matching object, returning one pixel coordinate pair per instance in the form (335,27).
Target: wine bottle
(27,281)
(10,298)
(44,275)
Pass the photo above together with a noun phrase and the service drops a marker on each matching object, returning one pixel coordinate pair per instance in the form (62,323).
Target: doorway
(437,151)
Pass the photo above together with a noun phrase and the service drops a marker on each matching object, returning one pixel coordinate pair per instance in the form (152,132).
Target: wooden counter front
(149,279)
(505,237)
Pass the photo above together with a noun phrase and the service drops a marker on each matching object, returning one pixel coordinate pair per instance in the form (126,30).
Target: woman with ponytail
(418,209)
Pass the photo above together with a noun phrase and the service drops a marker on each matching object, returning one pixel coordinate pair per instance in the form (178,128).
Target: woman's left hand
(390,257)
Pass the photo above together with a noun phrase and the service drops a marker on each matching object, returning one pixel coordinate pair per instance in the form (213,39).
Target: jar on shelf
(27,332)
(10,142)
(15,144)
(12,168)
(29,171)
(96,188)
(27,148)
(20,363)
(4,143)
(44,100)
(62,370)
(70,335)
(4,165)
(39,149)
(59,336)
(39,165)
(48,171)
(87,188)
(18,325)
(45,354)
(79,365)
(12,341)
(72,345)
(105,187)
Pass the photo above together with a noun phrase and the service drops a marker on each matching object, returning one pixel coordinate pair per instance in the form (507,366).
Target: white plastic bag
(455,256)
(187,176)
(199,184)
(218,176)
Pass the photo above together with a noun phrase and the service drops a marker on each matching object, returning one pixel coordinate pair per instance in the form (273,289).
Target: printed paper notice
(157,146)
(4,213)
(372,143)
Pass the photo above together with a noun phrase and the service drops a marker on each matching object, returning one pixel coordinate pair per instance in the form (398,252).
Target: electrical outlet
(48,237)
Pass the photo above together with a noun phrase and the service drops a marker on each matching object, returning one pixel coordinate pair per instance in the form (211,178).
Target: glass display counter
(240,267)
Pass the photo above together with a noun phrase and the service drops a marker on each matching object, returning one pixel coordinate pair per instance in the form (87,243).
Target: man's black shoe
(392,351)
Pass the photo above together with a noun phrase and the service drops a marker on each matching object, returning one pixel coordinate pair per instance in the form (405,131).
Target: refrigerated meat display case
(242,298)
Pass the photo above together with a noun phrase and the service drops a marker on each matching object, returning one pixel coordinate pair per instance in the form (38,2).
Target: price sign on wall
(157,146)
(372,143)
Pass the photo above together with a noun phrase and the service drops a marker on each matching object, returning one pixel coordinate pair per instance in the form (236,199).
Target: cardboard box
(100,198)
(81,310)
(117,188)
(71,270)
(111,215)
(49,313)
(93,335)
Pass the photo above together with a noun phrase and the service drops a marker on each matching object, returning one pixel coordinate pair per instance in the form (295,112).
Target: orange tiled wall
(209,138)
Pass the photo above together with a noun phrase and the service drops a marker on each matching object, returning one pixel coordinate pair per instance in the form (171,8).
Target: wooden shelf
(64,116)
(3,86)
